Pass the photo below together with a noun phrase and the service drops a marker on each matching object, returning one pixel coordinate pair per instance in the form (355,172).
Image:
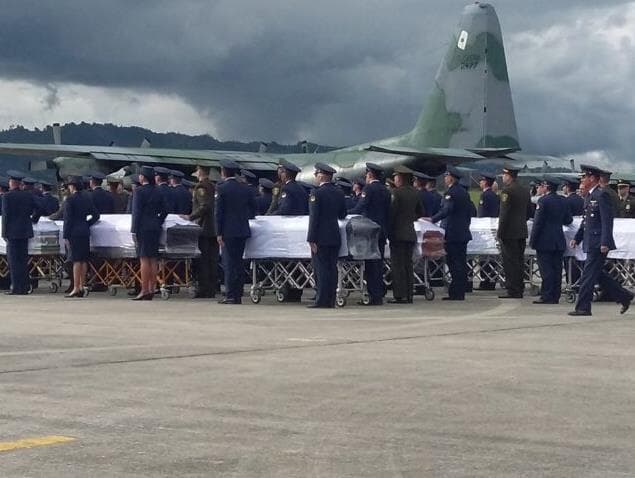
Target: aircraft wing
(248,160)
(445,155)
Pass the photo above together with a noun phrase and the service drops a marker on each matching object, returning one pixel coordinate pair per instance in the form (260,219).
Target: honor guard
(547,238)
(347,188)
(161,176)
(627,203)
(20,210)
(605,179)
(251,180)
(456,212)
(293,199)
(119,195)
(263,201)
(4,187)
(433,199)
(575,202)
(326,206)
(235,205)
(102,199)
(489,202)
(512,232)
(358,187)
(405,208)
(374,203)
(596,235)
(180,194)
(49,203)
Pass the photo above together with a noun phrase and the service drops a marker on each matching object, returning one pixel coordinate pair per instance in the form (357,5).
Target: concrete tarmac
(482,388)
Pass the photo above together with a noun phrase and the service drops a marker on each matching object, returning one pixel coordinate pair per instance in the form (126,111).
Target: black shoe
(143,297)
(15,293)
(540,301)
(398,301)
(626,305)
(452,298)
(486,287)
(74,294)
(317,306)
(369,303)
(69,289)
(133,292)
(203,296)
(580,313)
(510,296)
(229,301)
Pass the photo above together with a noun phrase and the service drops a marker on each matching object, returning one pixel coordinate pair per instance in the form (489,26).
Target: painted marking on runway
(34,442)
(308,339)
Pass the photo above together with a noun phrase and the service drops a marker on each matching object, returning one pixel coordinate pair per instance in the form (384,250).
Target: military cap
(46,184)
(420,175)
(187,183)
(552,181)
(375,168)
(245,173)
(175,173)
(229,165)
(161,171)
(147,172)
(511,170)
(399,169)
(623,183)
(606,174)
(343,179)
(266,183)
(97,176)
(4,182)
(288,166)
(16,175)
(324,168)
(135,179)
(86,179)
(488,176)
(74,180)
(29,180)
(343,184)
(452,171)
(591,170)
(359,181)
(572,183)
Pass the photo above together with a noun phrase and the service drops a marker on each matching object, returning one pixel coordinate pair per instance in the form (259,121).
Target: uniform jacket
(576,204)
(615,199)
(168,196)
(120,202)
(103,201)
(78,207)
(626,208)
(489,204)
(49,204)
(552,212)
(431,202)
(326,206)
(148,209)
(597,226)
(405,208)
(235,205)
(293,200)
(457,212)
(514,211)
(20,209)
(203,207)
(182,200)
(374,203)
(262,203)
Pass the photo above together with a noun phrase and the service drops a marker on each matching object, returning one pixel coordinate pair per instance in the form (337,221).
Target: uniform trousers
(550,265)
(456,259)
(592,274)
(375,276)
(207,266)
(325,268)
(513,254)
(402,269)
(18,258)
(234,270)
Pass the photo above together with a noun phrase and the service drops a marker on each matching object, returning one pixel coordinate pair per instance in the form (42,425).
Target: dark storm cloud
(338,72)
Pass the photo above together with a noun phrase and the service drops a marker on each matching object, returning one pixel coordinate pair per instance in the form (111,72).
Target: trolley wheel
(280,296)
(428,294)
(340,301)
(255,296)
(53,287)
(112,290)
(30,291)
(571,297)
(365,299)
(165,294)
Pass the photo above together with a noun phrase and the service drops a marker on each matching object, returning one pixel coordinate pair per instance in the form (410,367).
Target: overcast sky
(335,72)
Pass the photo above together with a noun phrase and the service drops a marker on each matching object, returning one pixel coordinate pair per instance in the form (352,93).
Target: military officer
(434,198)
(488,206)
(119,195)
(326,206)
(293,199)
(596,235)
(346,187)
(28,184)
(180,194)
(161,176)
(512,232)
(263,201)
(605,179)
(250,179)
(102,199)
(235,205)
(626,202)
(374,203)
(203,210)
(456,213)
(547,238)
(358,187)
(4,187)
(575,202)
(20,209)
(49,203)
(405,208)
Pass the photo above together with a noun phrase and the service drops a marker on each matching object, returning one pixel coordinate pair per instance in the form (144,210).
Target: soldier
(512,232)
(327,205)
(28,184)
(20,211)
(203,209)
(181,196)
(547,238)
(4,187)
(488,206)
(605,178)
(119,195)
(346,188)
(263,201)
(358,187)
(626,202)
(596,235)
(456,212)
(575,202)
(420,183)
(433,203)
(235,205)
(405,208)
(49,203)
(161,175)
(250,179)
(293,199)
(374,203)
(103,200)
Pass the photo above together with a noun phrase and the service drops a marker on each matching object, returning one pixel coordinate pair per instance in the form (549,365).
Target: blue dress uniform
(102,199)
(235,205)
(263,201)
(596,231)
(20,209)
(294,200)
(161,175)
(181,196)
(488,206)
(431,201)
(575,202)
(547,238)
(374,203)
(49,203)
(77,209)
(327,205)
(457,214)
(148,213)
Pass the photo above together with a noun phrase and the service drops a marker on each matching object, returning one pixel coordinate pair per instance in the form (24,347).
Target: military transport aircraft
(468,119)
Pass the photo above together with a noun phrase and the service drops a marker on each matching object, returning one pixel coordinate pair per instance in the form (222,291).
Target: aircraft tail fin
(470,105)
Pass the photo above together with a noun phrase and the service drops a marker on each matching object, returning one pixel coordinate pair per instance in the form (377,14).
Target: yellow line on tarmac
(34,442)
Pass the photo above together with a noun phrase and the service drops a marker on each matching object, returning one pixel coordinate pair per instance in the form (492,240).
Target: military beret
(399,169)
(324,168)
(161,171)
(175,173)
(288,166)
(452,171)
(96,175)
(147,172)
(229,165)
(247,174)
(375,168)
(623,183)
(266,183)
(592,170)
(16,175)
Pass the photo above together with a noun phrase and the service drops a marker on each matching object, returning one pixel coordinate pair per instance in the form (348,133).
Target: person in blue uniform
(235,205)
(346,187)
(433,199)
(77,211)
(20,210)
(358,187)
(547,238)
(596,235)
(374,203)
(4,187)
(161,176)
(488,206)
(293,200)
(180,194)
(49,203)
(148,214)
(251,180)
(263,201)
(103,200)
(456,213)
(326,206)
(575,202)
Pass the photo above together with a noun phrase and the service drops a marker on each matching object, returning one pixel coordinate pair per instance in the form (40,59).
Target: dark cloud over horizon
(334,72)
